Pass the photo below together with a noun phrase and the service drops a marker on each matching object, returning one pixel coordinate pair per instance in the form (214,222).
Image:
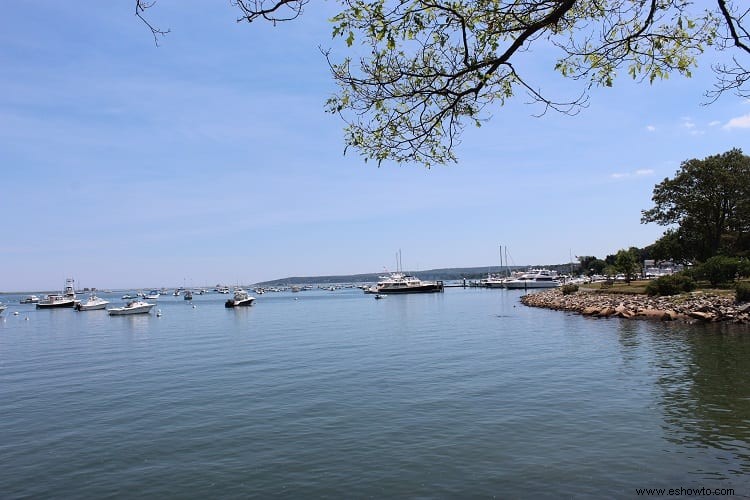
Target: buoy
(15,313)
(193,307)
(27,318)
(158,312)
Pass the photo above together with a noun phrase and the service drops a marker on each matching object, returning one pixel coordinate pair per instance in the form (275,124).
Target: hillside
(447,274)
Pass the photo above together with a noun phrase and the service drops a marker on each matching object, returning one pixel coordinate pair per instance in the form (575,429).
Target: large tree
(709,202)
(627,262)
(432,66)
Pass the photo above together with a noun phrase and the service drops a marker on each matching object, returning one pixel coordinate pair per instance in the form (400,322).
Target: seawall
(691,308)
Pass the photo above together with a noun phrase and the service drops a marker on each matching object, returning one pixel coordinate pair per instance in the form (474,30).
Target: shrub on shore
(569,288)
(718,270)
(670,285)
(743,292)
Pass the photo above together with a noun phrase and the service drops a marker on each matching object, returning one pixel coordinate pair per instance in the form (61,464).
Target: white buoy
(27,318)
(158,312)
(193,306)
(15,313)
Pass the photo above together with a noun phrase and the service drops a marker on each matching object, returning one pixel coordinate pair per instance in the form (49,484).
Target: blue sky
(210,159)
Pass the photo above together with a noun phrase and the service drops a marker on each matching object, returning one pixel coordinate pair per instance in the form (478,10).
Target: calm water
(335,394)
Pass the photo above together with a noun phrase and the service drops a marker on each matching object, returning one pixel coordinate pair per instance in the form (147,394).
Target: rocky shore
(693,307)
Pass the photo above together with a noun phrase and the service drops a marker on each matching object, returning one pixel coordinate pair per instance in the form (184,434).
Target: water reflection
(705,393)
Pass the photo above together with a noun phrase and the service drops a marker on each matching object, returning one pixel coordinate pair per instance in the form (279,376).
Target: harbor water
(465,393)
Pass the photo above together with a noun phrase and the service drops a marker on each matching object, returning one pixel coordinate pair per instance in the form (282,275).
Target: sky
(209,159)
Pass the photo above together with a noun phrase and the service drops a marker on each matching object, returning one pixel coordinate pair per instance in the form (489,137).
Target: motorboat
(3,307)
(534,278)
(188,295)
(404,283)
(240,299)
(93,303)
(493,281)
(132,307)
(66,299)
(152,295)
(29,299)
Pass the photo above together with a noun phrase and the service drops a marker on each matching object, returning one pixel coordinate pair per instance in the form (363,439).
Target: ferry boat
(66,299)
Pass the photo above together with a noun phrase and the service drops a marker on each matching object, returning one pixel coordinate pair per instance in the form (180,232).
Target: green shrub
(671,285)
(743,292)
(718,269)
(743,268)
(569,288)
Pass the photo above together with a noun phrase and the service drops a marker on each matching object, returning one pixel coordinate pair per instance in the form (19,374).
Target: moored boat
(29,299)
(404,283)
(132,307)
(66,299)
(534,278)
(240,299)
(92,304)
(3,307)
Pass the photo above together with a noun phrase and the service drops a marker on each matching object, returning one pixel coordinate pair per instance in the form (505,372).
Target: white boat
(153,295)
(534,278)
(66,299)
(93,303)
(3,307)
(240,299)
(188,295)
(404,283)
(493,281)
(29,299)
(132,307)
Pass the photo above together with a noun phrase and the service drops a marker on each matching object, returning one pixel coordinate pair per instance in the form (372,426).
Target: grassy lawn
(639,287)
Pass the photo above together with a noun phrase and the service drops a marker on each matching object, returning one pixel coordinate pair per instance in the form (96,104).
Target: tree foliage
(626,261)
(718,270)
(591,265)
(430,67)
(709,202)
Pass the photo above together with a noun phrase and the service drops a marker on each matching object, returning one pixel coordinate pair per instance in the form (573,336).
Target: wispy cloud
(641,172)
(714,123)
(738,122)
(688,123)
(650,128)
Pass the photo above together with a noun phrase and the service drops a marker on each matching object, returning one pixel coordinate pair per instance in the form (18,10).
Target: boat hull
(531,284)
(126,311)
(91,307)
(429,288)
(55,305)
(239,303)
